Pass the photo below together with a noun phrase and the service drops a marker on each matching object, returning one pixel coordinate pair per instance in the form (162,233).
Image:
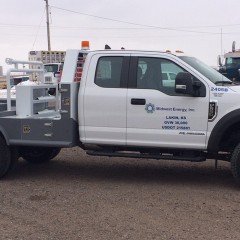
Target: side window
(108,72)
(229,61)
(149,73)
(169,71)
(157,73)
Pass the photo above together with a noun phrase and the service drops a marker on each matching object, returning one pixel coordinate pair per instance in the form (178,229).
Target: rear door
(156,115)
(105,97)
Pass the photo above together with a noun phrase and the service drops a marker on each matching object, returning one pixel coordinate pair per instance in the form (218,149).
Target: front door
(156,115)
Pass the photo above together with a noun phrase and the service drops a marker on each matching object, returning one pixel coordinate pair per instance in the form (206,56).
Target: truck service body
(123,106)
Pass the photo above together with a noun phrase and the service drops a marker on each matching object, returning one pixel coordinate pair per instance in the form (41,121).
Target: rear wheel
(14,157)
(55,152)
(235,164)
(39,154)
(5,157)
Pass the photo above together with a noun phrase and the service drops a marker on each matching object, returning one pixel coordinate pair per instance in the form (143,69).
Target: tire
(5,157)
(55,152)
(14,158)
(38,154)
(235,164)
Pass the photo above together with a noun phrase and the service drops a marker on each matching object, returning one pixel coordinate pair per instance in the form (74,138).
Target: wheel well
(226,133)
(2,136)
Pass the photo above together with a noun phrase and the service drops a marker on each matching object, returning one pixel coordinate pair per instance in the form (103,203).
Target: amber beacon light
(85,45)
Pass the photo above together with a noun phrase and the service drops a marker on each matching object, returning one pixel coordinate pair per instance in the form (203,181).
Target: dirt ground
(76,196)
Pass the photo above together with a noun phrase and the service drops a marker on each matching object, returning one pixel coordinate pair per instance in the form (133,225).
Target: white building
(47,56)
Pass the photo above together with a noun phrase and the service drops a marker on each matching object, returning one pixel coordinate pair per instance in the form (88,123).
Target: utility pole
(48,28)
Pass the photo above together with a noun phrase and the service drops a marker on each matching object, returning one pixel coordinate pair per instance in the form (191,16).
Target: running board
(147,156)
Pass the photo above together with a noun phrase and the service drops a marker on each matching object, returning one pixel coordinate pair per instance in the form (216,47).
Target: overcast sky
(193,26)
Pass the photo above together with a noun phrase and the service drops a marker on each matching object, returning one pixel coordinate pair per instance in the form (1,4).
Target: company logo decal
(150,108)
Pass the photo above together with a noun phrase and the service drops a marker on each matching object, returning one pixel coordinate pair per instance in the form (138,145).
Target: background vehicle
(168,79)
(52,72)
(231,66)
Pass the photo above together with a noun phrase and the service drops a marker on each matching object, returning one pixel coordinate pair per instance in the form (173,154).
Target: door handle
(138,101)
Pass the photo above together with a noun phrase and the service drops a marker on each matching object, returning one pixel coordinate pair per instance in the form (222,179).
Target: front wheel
(39,154)
(235,164)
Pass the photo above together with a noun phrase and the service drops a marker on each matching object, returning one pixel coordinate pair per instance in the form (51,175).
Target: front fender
(221,127)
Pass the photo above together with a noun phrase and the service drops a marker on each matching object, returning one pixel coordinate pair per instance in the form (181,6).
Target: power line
(212,26)
(39,26)
(113,28)
(180,29)
(105,29)
(130,28)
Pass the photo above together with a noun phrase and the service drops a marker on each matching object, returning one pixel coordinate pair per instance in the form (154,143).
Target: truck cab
(120,106)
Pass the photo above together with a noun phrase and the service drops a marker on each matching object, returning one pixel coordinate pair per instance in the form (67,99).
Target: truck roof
(232,54)
(177,53)
(77,57)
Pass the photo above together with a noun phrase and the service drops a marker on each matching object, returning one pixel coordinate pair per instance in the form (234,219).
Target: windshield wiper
(223,82)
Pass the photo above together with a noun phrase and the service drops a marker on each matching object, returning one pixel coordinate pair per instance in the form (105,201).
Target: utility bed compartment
(33,100)
(3,107)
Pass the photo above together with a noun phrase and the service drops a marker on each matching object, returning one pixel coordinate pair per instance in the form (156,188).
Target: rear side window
(108,72)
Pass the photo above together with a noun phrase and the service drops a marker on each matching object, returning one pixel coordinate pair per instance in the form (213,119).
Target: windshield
(51,68)
(208,72)
(231,61)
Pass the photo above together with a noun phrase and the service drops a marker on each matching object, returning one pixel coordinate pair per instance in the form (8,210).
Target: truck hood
(235,88)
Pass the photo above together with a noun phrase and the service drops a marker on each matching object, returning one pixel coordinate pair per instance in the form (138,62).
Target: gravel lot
(76,196)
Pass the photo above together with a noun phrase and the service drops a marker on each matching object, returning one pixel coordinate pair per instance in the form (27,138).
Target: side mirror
(56,74)
(186,84)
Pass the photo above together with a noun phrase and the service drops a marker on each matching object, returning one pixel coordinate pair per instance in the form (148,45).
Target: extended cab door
(157,116)
(103,110)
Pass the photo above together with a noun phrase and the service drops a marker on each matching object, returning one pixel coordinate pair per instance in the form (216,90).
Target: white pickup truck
(52,72)
(123,106)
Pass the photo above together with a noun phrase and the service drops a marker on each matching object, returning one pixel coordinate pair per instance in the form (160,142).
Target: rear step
(151,156)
